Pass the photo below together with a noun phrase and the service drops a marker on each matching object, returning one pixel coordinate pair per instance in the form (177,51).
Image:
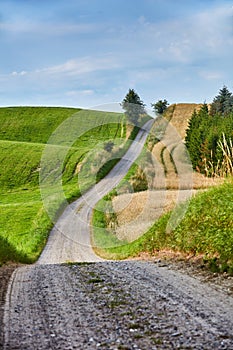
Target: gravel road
(114,305)
(94,304)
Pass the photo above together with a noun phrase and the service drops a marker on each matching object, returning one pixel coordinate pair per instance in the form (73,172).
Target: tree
(160,106)
(196,133)
(222,103)
(133,106)
(203,137)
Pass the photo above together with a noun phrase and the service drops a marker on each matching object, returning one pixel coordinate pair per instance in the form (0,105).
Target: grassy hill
(205,231)
(24,133)
(31,124)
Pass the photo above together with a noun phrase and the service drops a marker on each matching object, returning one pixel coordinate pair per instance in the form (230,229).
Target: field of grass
(207,230)
(31,124)
(25,131)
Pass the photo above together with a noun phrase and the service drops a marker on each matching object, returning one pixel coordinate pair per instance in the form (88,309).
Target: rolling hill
(24,134)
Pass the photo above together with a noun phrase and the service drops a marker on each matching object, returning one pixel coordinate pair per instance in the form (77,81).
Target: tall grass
(224,165)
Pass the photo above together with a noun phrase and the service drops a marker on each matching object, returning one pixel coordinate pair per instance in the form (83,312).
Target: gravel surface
(5,275)
(114,305)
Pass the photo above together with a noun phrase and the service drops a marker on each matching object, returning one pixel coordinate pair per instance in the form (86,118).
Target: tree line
(209,136)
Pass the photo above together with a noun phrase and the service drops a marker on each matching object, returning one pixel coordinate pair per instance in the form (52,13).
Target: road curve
(69,240)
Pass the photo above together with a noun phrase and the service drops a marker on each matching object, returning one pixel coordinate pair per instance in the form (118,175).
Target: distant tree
(222,103)
(133,106)
(160,106)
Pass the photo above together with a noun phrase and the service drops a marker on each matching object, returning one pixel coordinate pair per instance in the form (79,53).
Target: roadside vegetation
(206,230)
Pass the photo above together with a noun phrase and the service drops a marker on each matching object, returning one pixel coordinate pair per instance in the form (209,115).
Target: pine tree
(222,103)
(205,132)
(196,135)
(133,106)
(160,106)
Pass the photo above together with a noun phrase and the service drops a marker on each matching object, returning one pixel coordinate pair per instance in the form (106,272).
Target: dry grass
(181,114)
(136,212)
(173,171)
(223,168)
(129,130)
(202,182)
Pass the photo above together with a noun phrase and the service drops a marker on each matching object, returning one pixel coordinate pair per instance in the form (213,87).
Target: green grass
(19,164)
(24,223)
(31,124)
(206,229)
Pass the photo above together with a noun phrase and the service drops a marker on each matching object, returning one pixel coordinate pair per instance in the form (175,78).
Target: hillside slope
(24,133)
(179,115)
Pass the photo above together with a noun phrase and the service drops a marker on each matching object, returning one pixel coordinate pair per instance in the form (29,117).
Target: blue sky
(84,53)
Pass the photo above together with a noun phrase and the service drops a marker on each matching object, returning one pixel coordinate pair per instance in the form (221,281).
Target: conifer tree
(133,106)
(160,106)
(222,103)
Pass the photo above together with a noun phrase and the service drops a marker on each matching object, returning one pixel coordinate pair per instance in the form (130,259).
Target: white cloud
(16,74)
(71,69)
(75,67)
(150,55)
(193,38)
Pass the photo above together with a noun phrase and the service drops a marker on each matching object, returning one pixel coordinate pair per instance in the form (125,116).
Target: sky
(85,53)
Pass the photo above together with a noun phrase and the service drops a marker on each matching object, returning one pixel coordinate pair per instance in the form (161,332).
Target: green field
(24,134)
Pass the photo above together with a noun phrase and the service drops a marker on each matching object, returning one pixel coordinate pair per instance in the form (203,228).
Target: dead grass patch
(181,115)
(136,212)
